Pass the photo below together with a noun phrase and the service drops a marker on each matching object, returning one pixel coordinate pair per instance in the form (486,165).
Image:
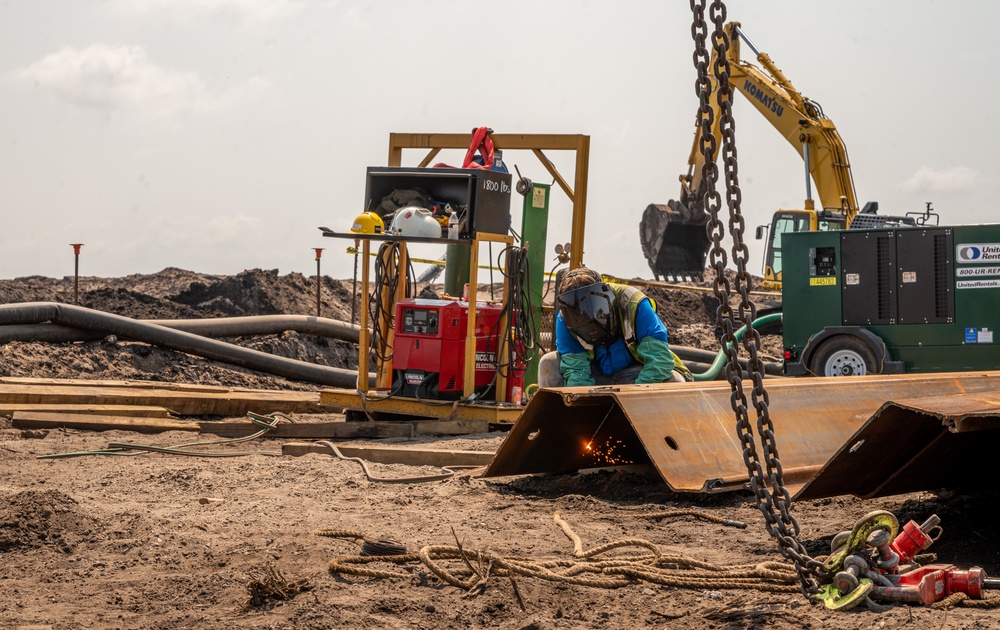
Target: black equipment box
(480,197)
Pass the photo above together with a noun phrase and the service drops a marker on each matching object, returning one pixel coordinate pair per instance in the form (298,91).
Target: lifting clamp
(866,562)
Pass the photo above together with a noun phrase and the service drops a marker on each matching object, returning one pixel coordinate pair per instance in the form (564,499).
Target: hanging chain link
(773,499)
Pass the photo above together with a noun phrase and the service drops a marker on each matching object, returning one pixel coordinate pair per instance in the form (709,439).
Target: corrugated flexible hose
(66,315)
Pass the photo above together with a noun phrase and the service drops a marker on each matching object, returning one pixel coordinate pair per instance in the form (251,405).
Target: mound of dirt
(259,292)
(46,518)
(174,294)
(179,294)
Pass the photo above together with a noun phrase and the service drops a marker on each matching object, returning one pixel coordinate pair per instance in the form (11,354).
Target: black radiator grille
(941,276)
(886,276)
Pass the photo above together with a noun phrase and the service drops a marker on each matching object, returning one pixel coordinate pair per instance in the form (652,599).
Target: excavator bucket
(674,241)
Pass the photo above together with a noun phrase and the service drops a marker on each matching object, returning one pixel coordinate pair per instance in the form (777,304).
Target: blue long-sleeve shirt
(651,335)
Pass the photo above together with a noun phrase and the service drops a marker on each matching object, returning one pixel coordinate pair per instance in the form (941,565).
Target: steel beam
(687,431)
(916,444)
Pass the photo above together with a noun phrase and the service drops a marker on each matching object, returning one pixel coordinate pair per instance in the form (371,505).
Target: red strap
(483,143)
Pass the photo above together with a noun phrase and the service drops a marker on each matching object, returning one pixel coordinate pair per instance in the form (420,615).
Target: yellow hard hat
(368,223)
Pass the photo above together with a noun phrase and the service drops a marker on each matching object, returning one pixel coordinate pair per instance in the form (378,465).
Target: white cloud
(221,11)
(108,78)
(928,179)
(114,77)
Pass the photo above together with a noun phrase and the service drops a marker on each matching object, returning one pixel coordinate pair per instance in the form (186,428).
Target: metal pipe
(354,285)
(109,323)
(720,360)
(215,328)
(701,361)
(318,251)
(805,160)
(76,271)
(744,37)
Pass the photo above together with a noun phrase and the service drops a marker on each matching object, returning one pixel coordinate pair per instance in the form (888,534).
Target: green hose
(715,369)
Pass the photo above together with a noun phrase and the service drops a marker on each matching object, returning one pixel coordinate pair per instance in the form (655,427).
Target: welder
(607,333)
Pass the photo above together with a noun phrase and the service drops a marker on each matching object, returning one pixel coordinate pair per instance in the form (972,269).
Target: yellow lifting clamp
(849,586)
(879,519)
(834,600)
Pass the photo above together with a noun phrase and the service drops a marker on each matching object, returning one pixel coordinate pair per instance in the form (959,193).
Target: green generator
(891,300)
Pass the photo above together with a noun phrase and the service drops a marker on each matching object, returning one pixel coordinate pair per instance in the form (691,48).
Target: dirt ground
(125,541)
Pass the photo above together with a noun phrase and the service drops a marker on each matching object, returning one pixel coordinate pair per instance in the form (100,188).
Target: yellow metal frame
(536,143)
(350,399)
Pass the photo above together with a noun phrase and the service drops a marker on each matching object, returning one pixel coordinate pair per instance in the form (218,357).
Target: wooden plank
(458,426)
(36,420)
(135,411)
(394,454)
(215,403)
(316,430)
(138,384)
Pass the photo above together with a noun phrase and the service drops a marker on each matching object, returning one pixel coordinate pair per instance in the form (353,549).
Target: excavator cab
(793,221)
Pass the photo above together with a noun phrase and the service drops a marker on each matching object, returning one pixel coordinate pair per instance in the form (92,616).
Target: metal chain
(773,499)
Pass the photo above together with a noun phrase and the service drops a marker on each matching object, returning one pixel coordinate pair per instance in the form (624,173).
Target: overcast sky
(217,135)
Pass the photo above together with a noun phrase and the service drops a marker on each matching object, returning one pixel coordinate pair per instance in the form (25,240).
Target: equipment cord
(386,279)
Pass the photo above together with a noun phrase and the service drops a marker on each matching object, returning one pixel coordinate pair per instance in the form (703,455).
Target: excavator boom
(673,235)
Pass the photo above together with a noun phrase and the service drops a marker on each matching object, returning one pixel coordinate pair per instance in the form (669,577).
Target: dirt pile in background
(178,294)
(691,313)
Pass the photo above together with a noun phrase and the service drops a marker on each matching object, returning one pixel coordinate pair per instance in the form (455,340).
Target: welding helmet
(415,221)
(368,223)
(589,312)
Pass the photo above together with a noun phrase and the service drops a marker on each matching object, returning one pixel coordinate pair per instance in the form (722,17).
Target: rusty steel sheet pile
(687,431)
(916,444)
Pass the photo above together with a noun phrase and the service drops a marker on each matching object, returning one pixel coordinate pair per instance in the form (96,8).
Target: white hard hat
(414,221)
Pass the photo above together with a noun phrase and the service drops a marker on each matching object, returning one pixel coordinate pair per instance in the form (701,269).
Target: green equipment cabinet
(892,300)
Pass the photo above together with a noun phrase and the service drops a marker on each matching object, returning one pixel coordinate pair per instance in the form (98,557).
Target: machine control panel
(824,261)
(420,321)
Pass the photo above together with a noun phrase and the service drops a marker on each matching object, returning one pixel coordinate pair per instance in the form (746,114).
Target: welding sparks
(608,453)
(589,446)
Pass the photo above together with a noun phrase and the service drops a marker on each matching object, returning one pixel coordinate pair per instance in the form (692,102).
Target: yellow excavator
(673,236)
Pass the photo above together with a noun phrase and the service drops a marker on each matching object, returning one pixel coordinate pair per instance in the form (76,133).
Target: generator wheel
(843,355)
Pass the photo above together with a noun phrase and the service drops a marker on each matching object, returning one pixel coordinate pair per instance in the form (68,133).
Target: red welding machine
(428,355)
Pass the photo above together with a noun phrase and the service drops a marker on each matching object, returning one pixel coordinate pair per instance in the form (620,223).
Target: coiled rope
(650,564)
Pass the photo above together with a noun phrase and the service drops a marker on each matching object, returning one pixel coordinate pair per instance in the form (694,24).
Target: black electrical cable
(548,281)
(376,309)
(423,382)
(489,245)
(387,261)
(525,334)
(393,392)
(516,348)
(383,320)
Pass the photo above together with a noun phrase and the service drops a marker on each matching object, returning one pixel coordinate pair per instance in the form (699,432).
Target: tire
(843,356)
